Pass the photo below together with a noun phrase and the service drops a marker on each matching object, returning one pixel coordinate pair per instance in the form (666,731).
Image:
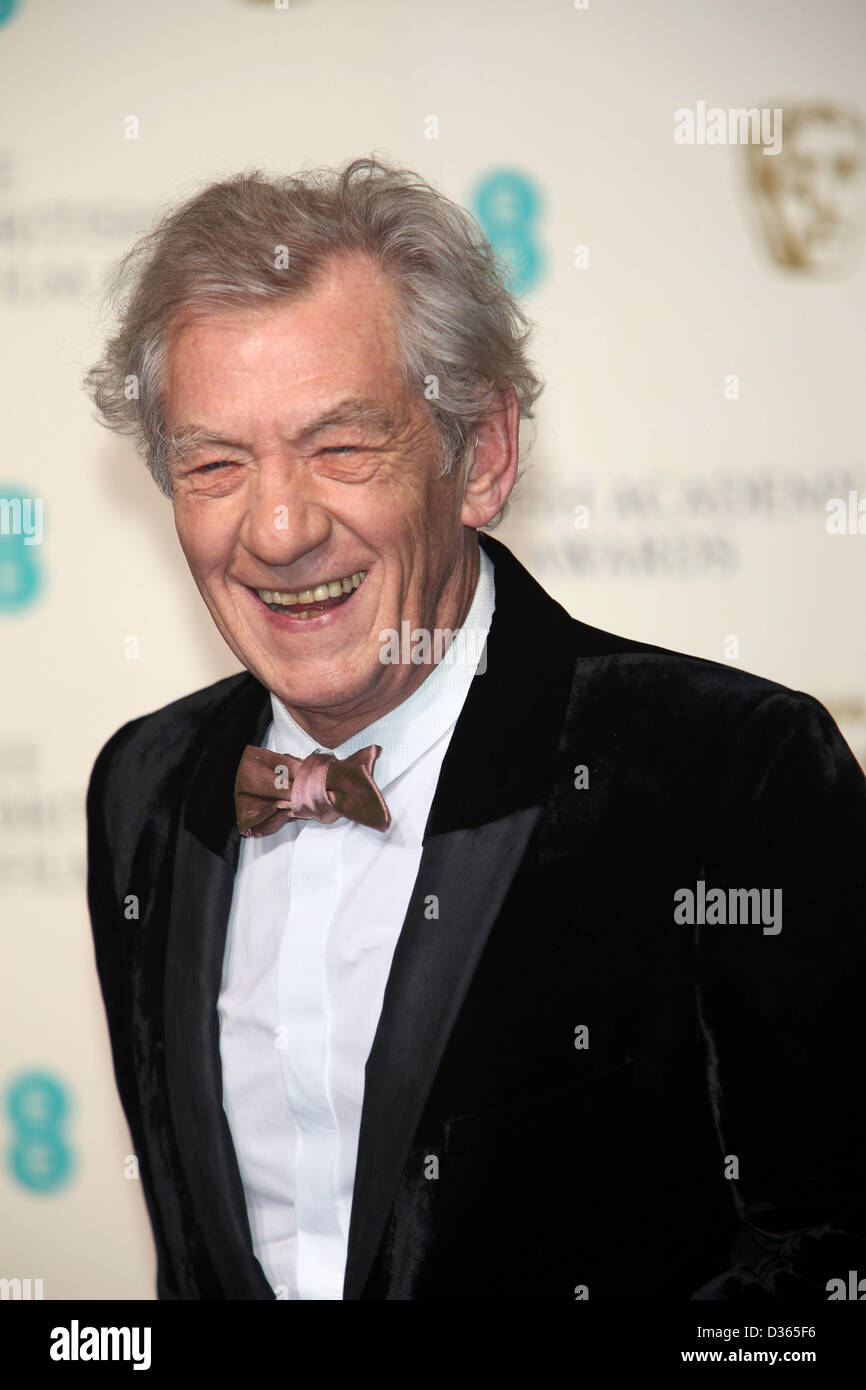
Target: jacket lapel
(207,850)
(493,780)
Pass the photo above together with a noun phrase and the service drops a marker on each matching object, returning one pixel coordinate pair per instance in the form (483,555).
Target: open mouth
(309,603)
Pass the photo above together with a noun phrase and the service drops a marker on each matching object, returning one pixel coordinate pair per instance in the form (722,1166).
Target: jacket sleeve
(110,935)
(781,1004)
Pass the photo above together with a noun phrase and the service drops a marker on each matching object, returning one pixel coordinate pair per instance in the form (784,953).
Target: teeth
(331,589)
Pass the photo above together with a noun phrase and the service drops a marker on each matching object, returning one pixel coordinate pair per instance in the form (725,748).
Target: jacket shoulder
(145,756)
(633,677)
(675,698)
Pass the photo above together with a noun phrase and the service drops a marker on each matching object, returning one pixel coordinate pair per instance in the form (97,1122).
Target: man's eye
(217,463)
(340,449)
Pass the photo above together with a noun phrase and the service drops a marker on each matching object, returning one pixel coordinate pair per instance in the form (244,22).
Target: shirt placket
(304,1002)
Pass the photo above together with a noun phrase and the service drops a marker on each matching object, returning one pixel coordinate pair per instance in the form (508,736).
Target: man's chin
(312,700)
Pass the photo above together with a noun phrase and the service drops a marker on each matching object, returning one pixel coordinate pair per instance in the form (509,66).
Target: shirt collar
(409,730)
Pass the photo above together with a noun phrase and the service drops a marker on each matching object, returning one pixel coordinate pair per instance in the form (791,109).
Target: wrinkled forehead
(333,351)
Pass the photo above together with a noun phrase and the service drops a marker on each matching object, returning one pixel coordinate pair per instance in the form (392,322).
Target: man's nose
(284,520)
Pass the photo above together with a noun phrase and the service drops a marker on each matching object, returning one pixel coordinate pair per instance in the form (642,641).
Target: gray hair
(251,238)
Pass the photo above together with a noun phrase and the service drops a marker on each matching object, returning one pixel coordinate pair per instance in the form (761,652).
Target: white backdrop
(703,401)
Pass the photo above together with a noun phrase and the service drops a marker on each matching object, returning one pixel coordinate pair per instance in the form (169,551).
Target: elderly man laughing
(407,1011)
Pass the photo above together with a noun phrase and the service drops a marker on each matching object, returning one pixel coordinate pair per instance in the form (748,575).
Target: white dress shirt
(315,917)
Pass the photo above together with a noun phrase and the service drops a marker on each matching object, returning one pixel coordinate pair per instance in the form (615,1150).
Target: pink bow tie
(274,788)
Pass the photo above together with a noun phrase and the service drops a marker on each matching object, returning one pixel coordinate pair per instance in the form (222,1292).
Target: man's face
(283,502)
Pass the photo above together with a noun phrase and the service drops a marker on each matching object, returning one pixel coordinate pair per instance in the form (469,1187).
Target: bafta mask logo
(811,198)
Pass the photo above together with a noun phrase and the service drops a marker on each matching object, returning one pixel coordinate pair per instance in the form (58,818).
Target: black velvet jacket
(620,1105)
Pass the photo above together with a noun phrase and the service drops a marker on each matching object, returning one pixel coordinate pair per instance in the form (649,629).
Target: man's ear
(491,465)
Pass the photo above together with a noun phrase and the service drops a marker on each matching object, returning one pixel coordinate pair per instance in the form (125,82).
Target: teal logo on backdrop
(21,536)
(7,9)
(507,204)
(37,1105)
